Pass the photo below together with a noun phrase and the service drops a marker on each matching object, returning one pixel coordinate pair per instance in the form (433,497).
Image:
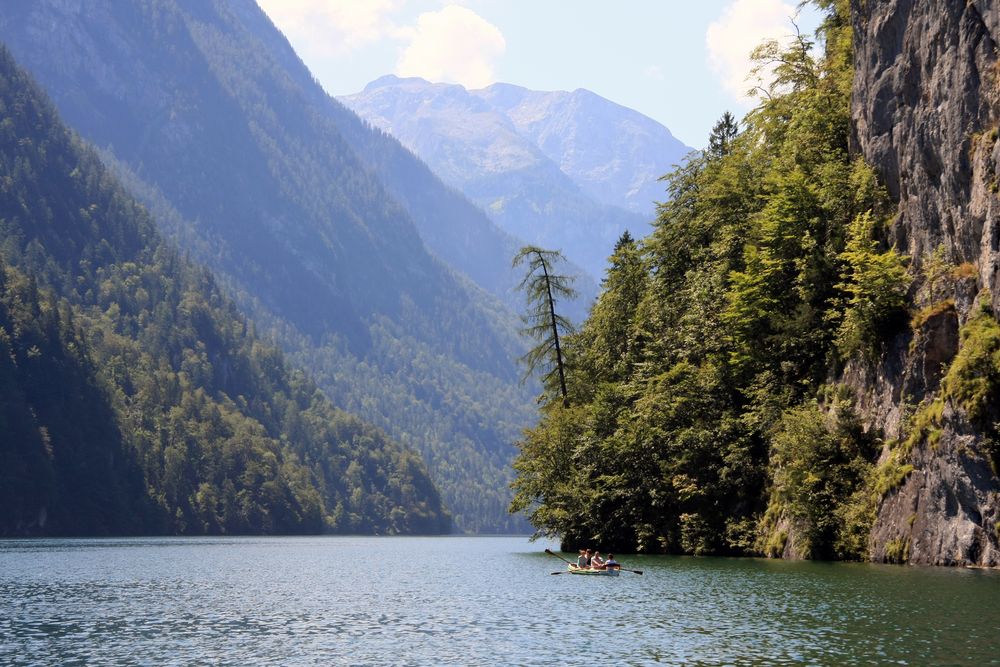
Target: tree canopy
(699,419)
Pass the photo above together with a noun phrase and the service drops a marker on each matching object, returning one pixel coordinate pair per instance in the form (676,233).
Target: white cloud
(332,28)
(737,32)
(453,44)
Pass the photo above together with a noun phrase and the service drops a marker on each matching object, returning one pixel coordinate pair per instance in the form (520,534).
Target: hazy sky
(682,62)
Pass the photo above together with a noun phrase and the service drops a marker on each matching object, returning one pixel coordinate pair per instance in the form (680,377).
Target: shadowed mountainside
(204,110)
(134,398)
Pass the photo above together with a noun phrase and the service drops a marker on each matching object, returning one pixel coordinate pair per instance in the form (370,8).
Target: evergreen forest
(313,223)
(136,398)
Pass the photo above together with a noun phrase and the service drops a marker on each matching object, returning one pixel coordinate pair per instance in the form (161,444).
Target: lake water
(470,601)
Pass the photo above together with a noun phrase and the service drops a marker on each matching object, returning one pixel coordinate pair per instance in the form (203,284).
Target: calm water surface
(470,601)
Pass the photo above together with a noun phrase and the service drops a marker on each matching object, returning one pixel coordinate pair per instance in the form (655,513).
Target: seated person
(596,562)
(583,562)
(611,563)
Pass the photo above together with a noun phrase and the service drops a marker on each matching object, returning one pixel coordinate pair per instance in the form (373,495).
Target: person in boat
(611,563)
(583,561)
(596,562)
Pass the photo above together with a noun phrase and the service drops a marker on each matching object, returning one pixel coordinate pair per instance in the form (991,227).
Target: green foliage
(856,514)
(876,286)
(775,545)
(855,518)
(937,269)
(724,133)
(606,348)
(924,424)
(818,461)
(548,485)
(890,475)
(898,550)
(60,439)
(142,400)
(543,288)
(695,426)
(973,379)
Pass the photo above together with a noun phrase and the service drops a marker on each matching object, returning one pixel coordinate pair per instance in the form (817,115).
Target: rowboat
(573,569)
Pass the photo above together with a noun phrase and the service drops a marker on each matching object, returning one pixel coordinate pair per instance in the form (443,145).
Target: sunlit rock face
(925,112)
(614,154)
(567,170)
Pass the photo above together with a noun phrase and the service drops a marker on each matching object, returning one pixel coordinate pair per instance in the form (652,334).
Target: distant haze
(567,170)
(682,63)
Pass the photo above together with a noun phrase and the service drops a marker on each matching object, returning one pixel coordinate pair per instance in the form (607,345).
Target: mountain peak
(388,80)
(501,88)
(614,154)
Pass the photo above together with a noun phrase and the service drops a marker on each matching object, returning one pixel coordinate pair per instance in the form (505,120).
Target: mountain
(563,170)
(134,398)
(614,154)
(454,229)
(207,114)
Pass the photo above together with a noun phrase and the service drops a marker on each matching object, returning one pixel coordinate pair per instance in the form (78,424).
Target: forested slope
(705,412)
(802,360)
(135,398)
(237,150)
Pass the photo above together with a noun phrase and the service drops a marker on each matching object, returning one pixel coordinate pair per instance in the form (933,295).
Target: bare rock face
(931,350)
(911,368)
(946,512)
(925,90)
(926,108)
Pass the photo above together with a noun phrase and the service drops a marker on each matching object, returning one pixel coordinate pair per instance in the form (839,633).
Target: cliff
(924,112)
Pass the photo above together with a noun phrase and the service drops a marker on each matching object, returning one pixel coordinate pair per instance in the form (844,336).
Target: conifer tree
(605,342)
(723,134)
(542,288)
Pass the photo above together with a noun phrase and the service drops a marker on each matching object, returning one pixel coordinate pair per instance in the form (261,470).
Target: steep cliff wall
(925,112)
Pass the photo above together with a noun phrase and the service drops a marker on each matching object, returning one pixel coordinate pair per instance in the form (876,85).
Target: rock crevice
(925,113)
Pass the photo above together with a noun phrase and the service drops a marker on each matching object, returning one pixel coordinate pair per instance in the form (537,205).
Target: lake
(470,601)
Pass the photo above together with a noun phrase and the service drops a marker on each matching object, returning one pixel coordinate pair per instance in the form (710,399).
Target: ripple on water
(468,601)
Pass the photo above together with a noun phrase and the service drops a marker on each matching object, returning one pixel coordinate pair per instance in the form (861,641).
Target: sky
(681,62)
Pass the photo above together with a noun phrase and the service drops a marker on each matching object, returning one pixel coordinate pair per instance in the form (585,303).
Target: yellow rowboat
(573,569)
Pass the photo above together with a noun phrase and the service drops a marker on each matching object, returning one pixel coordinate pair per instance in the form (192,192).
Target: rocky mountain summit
(567,170)
(614,154)
(925,114)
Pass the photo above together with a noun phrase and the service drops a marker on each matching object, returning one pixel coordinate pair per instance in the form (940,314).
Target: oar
(552,553)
